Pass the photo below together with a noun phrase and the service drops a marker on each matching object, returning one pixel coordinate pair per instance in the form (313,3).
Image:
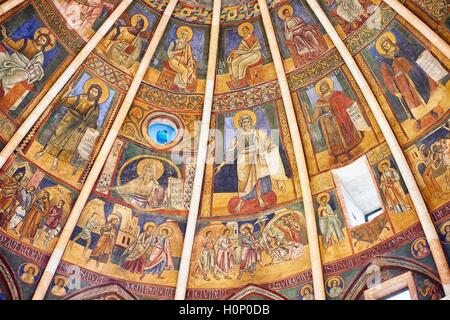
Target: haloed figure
(83,112)
(253,147)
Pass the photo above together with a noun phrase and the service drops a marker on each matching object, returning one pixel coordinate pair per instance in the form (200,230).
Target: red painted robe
(340,133)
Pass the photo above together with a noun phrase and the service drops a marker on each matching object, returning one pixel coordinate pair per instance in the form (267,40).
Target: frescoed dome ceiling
(325,171)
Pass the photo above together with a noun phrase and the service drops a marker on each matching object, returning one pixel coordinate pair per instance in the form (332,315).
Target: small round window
(162,130)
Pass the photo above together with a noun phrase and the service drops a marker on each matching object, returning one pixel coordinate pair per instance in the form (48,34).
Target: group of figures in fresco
(228,249)
(29,211)
(150,250)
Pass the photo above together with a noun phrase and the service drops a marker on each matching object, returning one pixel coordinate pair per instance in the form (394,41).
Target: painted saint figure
(25,65)
(255,151)
(329,223)
(136,252)
(123,44)
(248,52)
(52,222)
(145,191)
(181,59)
(406,79)
(105,244)
(83,113)
(35,217)
(160,258)
(225,254)
(9,192)
(207,257)
(392,189)
(82,15)
(86,232)
(250,251)
(306,38)
(339,131)
(25,199)
(351,11)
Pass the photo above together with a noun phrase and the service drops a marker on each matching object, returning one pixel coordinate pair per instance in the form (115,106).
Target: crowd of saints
(232,250)
(149,249)
(28,211)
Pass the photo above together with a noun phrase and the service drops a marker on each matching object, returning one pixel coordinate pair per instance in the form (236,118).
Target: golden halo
(243,25)
(443,226)
(134,20)
(45,30)
(169,230)
(328,81)
(57,278)
(250,226)
(420,240)
(380,165)
(105,89)
(282,9)
(324,194)
(150,224)
(239,114)
(185,28)
(302,290)
(387,35)
(113,216)
(331,279)
(35,268)
(150,162)
(226,228)
(206,231)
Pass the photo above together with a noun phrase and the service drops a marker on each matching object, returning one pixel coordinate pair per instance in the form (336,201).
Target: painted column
(70,225)
(44,103)
(311,227)
(183,273)
(421,26)
(400,159)
(9,5)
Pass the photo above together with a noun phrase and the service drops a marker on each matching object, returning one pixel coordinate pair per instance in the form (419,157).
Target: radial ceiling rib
(8,5)
(83,196)
(45,102)
(311,228)
(421,26)
(416,195)
(183,273)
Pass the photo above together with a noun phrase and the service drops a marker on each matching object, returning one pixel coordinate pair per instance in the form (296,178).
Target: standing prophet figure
(329,222)
(181,59)
(339,131)
(254,151)
(406,79)
(83,113)
(392,189)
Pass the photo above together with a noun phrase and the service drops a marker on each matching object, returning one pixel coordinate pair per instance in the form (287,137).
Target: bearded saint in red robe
(340,133)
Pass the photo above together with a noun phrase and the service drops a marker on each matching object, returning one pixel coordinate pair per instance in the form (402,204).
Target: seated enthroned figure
(181,60)
(248,53)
